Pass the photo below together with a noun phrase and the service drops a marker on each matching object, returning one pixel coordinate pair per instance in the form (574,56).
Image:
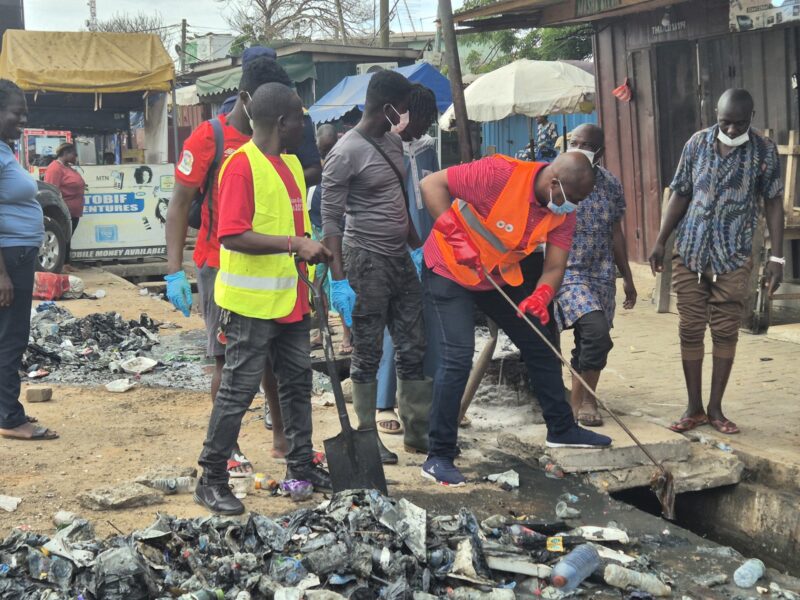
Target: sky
(202,15)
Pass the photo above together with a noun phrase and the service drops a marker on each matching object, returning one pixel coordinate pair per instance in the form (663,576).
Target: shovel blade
(354,461)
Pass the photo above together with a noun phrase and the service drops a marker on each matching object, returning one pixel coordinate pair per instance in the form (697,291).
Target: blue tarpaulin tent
(351,92)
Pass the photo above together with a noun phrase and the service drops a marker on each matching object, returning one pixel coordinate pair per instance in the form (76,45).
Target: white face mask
(249,118)
(565,208)
(401,124)
(733,142)
(587,153)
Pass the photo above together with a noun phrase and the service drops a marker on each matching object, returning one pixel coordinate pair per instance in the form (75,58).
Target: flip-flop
(39,434)
(239,461)
(688,423)
(725,426)
(590,419)
(345,349)
(383,425)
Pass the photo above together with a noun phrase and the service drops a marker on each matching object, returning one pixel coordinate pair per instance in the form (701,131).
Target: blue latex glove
(344,299)
(179,292)
(417,257)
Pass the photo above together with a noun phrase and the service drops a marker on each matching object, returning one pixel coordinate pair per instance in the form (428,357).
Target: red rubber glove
(536,304)
(464,250)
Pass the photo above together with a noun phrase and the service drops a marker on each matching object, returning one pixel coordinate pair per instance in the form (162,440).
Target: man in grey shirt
(374,278)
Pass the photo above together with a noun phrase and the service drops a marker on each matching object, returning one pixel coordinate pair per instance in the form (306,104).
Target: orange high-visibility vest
(498,237)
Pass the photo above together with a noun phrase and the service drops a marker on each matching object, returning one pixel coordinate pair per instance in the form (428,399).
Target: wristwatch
(777,259)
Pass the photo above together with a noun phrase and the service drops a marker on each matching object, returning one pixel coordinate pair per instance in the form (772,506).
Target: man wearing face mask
(374,280)
(585,302)
(505,209)
(725,173)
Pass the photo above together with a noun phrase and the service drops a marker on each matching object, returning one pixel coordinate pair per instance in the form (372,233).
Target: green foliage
(494,49)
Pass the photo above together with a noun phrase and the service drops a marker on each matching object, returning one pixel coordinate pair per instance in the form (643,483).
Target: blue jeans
(253,343)
(15,327)
(450,309)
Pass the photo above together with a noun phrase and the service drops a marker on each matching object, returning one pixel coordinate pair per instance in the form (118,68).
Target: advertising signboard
(758,14)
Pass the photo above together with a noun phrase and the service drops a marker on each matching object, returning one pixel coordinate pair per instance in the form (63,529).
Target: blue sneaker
(577,437)
(442,471)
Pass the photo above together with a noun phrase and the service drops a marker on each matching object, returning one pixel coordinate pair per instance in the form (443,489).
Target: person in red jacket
(70,183)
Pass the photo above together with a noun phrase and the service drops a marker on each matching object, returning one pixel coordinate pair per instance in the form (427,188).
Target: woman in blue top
(21,234)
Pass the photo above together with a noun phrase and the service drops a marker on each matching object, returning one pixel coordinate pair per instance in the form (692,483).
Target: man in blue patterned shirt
(586,299)
(726,174)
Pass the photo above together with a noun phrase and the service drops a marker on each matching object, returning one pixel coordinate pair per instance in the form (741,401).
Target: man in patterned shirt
(546,136)
(585,302)
(726,173)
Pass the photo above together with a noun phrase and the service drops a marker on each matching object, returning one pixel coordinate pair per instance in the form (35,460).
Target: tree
(263,21)
(141,22)
(499,48)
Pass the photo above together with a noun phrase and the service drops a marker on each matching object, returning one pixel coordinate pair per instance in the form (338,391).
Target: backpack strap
(219,144)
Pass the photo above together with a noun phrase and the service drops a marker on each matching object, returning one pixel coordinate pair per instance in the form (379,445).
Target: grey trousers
(252,343)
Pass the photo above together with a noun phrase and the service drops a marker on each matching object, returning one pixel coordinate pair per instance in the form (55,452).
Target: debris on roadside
(37,393)
(126,495)
(359,544)
(509,480)
(9,503)
(120,386)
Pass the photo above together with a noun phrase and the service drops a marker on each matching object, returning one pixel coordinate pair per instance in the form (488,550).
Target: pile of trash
(96,342)
(357,545)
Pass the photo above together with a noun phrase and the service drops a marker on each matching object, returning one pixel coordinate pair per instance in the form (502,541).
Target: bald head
(326,139)
(736,99)
(575,174)
(587,137)
(734,112)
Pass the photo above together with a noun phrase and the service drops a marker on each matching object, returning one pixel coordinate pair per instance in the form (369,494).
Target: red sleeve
(196,157)
(561,236)
(236,198)
(53,174)
(480,182)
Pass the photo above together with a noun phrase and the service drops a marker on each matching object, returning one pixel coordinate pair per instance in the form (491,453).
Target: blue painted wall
(512,133)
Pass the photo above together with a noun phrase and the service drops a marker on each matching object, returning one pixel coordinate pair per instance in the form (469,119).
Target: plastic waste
(567,497)
(623,578)
(748,573)
(287,570)
(298,490)
(173,485)
(576,566)
(38,564)
(204,595)
(64,518)
(551,469)
(527,538)
(61,571)
(564,511)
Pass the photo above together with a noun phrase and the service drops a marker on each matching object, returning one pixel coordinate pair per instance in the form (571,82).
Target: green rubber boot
(414,398)
(365,398)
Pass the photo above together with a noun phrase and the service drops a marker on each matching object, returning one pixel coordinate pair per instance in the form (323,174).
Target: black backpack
(196,210)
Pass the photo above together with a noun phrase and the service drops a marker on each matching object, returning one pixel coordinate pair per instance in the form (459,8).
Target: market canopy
(351,92)
(527,87)
(298,67)
(86,61)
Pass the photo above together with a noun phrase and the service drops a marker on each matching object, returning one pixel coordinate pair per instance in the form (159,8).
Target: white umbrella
(526,87)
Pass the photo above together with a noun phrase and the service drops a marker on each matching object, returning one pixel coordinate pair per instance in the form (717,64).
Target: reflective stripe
(258,283)
(474,223)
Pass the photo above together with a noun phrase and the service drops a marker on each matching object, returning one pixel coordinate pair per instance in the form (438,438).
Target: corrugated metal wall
(513,133)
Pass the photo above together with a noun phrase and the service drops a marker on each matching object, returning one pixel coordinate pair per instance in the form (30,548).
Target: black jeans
(451,308)
(15,327)
(388,294)
(251,343)
(592,342)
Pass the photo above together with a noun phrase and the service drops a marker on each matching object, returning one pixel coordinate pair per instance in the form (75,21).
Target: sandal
(590,419)
(239,465)
(345,349)
(38,434)
(391,425)
(688,423)
(725,426)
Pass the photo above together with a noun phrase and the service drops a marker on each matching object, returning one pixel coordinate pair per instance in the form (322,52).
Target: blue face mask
(566,208)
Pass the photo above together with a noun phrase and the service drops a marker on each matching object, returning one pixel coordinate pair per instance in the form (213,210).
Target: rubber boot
(364,402)
(414,398)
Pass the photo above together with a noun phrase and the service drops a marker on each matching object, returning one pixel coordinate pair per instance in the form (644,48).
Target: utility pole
(340,14)
(183,46)
(384,19)
(454,75)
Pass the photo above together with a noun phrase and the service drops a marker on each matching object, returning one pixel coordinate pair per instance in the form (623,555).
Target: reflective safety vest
(263,286)
(498,237)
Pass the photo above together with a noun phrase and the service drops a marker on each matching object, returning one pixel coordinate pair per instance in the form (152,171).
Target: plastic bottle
(204,595)
(623,578)
(574,568)
(746,575)
(527,538)
(174,485)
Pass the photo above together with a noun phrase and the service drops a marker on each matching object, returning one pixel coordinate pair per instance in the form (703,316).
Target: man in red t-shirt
(191,174)
(252,226)
(449,303)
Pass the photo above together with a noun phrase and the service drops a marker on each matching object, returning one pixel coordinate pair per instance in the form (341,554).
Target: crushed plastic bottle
(527,538)
(748,573)
(620,577)
(174,485)
(574,568)
(563,511)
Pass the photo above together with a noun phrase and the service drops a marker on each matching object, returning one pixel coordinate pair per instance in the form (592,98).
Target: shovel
(353,457)
(662,483)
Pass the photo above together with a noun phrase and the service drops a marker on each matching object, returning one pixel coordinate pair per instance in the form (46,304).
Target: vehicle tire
(53,250)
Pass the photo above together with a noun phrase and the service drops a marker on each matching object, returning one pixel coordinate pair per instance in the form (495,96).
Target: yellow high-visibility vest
(263,286)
